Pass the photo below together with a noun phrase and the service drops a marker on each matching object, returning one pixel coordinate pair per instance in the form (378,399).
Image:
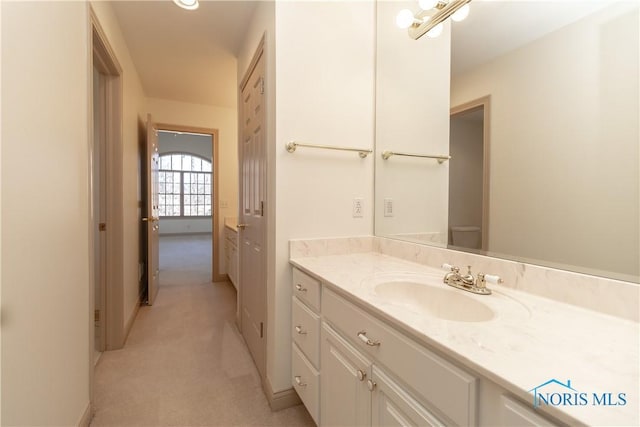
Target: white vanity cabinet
(352,367)
(305,335)
(344,393)
(406,377)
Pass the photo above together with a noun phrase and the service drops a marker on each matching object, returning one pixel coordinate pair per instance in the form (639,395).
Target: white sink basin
(440,301)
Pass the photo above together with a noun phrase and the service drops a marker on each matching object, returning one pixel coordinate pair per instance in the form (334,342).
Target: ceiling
(494,28)
(187,56)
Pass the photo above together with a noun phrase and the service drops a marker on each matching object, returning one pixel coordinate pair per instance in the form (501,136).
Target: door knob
(152,219)
(242,226)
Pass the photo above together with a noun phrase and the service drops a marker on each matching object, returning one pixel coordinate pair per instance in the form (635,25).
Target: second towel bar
(441,159)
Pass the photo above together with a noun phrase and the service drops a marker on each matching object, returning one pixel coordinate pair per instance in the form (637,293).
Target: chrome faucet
(466,282)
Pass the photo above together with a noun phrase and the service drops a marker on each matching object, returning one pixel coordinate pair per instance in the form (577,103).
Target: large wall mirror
(537,105)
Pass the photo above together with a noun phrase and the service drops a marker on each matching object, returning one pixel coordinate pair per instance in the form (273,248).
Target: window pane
(176,210)
(176,200)
(207,189)
(207,200)
(206,166)
(187,210)
(165,162)
(176,188)
(207,178)
(169,177)
(201,210)
(176,162)
(187,178)
(196,164)
(185,162)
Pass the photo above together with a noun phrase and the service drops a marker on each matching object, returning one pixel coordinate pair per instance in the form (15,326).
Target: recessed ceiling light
(187,4)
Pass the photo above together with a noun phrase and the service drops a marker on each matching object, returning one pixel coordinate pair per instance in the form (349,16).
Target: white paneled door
(151,218)
(252,224)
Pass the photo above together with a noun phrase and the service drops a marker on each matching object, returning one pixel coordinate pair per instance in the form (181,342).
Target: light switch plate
(388,207)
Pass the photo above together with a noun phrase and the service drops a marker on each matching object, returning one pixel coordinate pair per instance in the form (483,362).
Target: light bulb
(405,18)
(187,4)
(461,13)
(435,31)
(427,4)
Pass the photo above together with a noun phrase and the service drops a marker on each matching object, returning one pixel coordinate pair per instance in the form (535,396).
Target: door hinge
(261,329)
(262,85)
(102,226)
(96,315)
(261,208)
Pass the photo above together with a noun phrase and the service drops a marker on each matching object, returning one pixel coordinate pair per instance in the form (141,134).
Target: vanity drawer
(306,381)
(445,386)
(306,288)
(305,330)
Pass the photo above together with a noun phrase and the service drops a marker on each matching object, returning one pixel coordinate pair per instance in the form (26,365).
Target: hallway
(184,362)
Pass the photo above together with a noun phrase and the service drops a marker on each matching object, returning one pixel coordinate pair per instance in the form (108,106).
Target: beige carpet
(184,363)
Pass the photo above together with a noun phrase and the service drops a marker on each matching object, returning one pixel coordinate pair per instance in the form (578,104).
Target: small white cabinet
(231,254)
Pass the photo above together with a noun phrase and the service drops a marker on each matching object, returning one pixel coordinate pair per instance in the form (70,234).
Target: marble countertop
(530,341)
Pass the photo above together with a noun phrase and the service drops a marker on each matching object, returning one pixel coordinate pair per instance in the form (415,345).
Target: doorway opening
(188,196)
(469,175)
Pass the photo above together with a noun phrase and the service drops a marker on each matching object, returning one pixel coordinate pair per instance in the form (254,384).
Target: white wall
(133,125)
(325,95)
(45,213)
(226,121)
(412,115)
(564,144)
(185,143)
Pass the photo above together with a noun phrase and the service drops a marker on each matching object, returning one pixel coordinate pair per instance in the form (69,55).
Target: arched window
(185,185)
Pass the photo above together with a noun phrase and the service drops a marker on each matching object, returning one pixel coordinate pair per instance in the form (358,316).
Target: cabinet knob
(300,331)
(371,385)
(299,381)
(361,375)
(299,288)
(365,339)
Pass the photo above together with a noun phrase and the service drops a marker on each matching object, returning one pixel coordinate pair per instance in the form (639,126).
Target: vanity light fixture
(430,19)
(187,4)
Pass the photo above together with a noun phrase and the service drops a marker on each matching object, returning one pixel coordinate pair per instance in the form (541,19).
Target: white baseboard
(85,419)
(281,399)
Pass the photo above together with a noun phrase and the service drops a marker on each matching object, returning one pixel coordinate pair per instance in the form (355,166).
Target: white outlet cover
(358,207)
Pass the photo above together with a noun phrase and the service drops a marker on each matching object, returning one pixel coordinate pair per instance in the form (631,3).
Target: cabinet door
(392,406)
(345,399)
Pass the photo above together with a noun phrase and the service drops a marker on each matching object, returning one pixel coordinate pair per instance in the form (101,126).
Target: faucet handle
(483,279)
(450,267)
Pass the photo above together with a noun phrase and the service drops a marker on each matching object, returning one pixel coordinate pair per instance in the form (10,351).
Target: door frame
(102,57)
(467,107)
(215,211)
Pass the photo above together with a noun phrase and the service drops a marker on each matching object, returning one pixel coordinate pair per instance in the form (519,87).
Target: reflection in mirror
(558,182)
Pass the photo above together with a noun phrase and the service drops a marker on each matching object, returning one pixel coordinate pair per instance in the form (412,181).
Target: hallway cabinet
(231,254)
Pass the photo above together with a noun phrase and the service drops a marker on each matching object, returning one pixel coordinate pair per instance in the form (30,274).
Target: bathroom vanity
(379,340)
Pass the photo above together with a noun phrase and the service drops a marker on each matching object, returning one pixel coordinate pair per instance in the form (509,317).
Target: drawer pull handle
(299,381)
(371,385)
(363,337)
(361,375)
(300,331)
(299,288)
